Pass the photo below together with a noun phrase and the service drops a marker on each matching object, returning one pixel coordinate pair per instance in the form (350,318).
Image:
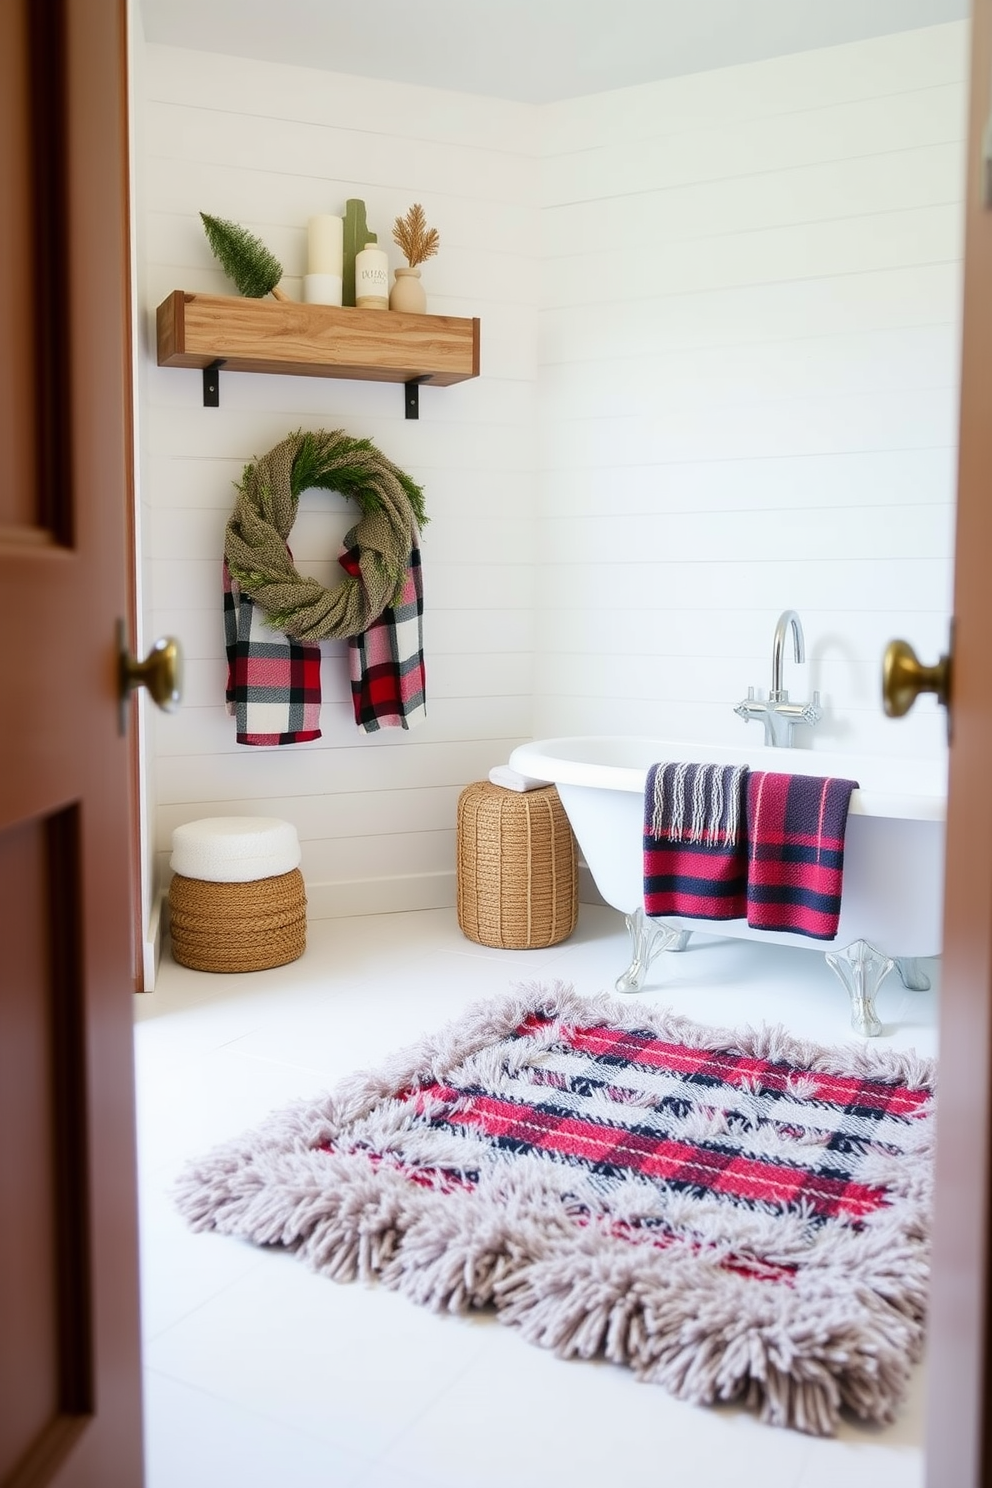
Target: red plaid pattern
(796,829)
(577,1108)
(783,870)
(722,1067)
(704,879)
(273,682)
(736,1215)
(386,662)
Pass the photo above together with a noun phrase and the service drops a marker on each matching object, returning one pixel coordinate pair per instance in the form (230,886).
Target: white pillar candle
(325,245)
(322,289)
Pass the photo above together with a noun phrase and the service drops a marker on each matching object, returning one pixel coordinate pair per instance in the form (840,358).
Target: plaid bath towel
(796,826)
(386,662)
(695,852)
(273,682)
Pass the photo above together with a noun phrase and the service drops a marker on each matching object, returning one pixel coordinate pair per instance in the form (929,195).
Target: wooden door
(70,1404)
(958,1454)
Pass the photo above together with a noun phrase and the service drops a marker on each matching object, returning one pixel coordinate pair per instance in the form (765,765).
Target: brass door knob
(904,677)
(161,672)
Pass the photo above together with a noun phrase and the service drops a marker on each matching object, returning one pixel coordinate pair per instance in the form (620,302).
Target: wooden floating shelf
(283,336)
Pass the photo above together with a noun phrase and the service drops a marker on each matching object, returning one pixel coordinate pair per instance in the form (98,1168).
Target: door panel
(29,1384)
(958,1417)
(70,1409)
(47,1360)
(17,485)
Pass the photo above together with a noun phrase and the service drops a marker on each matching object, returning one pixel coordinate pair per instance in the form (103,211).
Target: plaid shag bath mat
(735,1215)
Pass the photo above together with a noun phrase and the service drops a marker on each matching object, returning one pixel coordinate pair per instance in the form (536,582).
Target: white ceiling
(533,51)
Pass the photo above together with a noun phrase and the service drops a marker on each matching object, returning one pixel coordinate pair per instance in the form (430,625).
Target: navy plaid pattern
(736,1215)
(614,1103)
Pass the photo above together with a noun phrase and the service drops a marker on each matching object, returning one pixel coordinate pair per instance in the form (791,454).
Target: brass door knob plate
(904,677)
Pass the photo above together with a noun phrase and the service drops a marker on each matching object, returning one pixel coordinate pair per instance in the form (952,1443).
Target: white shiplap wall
(742,398)
(268,146)
(749,361)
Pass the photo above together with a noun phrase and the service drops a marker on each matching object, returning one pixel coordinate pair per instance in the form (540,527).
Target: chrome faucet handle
(813,711)
(751,707)
(778,716)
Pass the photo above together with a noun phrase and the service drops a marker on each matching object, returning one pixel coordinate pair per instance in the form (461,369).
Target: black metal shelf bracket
(211,383)
(411,396)
(211,389)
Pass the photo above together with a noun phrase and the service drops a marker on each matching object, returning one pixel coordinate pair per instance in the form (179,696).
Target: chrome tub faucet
(778,715)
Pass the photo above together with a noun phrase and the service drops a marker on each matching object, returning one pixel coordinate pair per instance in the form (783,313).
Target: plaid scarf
(273,686)
(386,661)
(273,681)
(796,827)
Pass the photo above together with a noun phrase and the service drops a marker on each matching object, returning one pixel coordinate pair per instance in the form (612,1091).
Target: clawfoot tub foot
(646,942)
(911,974)
(862,969)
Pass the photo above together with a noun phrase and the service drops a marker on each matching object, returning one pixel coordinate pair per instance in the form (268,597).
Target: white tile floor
(260,1374)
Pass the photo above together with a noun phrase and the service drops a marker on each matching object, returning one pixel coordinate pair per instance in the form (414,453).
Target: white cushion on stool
(235,849)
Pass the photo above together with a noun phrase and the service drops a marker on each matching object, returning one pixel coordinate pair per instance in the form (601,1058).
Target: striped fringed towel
(695,852)
(273,682)
(796,826)
(386,662)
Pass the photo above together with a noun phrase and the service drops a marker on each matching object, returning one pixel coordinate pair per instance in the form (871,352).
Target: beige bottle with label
(372,278)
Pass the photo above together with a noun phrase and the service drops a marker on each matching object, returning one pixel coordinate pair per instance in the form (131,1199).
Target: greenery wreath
(255,545)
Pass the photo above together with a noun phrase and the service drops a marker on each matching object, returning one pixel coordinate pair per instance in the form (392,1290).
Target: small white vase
(407,293)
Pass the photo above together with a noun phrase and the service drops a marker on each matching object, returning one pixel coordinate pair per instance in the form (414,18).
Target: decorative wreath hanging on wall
(392,508)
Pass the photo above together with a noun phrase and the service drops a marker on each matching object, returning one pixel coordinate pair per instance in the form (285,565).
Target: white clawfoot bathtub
(892,903)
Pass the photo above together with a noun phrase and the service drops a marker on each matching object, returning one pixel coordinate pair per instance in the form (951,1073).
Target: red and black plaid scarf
(386,661)
(273,681)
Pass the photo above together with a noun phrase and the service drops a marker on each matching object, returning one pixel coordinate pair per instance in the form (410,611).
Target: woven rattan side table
(517,871)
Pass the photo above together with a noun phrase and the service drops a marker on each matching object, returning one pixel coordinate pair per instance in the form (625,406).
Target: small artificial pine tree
(413,236)
(244,258)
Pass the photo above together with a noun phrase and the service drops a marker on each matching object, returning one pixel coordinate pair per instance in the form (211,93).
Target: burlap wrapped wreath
(268,496)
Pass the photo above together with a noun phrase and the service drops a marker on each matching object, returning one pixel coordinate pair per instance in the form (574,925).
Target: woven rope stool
(237,900)
(517,867)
